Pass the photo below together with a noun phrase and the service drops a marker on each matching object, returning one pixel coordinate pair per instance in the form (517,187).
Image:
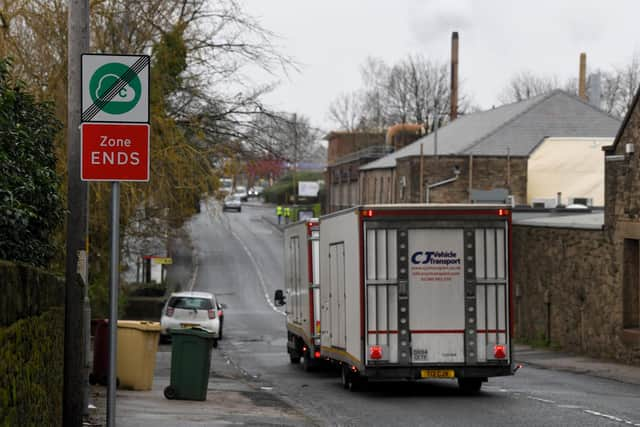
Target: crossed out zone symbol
(115,88)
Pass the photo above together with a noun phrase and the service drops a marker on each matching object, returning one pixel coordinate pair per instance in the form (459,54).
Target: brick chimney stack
(454,76)
(582,78)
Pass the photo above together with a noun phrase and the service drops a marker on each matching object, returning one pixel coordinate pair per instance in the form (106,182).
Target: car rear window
(190,303)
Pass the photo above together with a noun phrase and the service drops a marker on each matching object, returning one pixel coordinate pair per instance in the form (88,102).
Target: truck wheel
(345,377)
(350,380)
(307,364)
(294,358)
(470,385)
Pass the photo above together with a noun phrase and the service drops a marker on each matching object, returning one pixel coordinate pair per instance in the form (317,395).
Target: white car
(232,202)
(242,192)
(192,309)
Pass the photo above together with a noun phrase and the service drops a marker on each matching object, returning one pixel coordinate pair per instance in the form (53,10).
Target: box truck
(410,292)
(302,282)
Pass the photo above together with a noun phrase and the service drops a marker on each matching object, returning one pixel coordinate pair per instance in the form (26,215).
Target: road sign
(115,88)
(114,152)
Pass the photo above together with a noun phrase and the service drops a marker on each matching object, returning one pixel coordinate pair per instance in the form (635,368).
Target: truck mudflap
(424,372)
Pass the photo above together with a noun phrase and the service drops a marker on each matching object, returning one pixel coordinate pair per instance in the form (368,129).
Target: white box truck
(416,292)
(302,273)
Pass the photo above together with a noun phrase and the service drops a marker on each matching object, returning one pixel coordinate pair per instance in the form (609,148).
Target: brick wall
(485,173)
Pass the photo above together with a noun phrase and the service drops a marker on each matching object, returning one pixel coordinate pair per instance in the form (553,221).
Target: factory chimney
(454,76)
(582,78)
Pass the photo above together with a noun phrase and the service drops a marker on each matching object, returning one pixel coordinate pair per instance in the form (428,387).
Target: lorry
(416,291)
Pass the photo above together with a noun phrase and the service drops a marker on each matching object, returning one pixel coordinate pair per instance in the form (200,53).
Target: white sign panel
(308,188)
(115,88)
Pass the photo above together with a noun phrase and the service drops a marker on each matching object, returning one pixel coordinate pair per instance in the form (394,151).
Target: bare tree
(346,110)
(525,85)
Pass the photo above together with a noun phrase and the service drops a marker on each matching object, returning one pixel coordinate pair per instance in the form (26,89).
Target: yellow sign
(162,260)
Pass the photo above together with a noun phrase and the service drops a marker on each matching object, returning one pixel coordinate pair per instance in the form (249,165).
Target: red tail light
(499,352)
(212,314)
(316,354)
(169,311)
(219,313)
(375,352)
(317,327)
(503,212)
(368,213)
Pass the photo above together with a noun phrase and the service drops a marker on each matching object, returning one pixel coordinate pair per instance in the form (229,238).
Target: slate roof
(517,128)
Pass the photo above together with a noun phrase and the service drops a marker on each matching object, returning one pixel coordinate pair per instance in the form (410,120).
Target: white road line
(258,272)
(540,400)
(610,417)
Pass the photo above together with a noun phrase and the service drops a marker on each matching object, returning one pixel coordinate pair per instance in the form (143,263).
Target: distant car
(242,192)
(256,191)
(233,202)
(191,309)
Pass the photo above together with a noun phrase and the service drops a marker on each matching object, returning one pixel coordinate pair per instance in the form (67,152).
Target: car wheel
(239,209)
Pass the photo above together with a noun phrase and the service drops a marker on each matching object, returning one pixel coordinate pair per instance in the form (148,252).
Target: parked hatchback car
(233,202)
(242,192)
(191,309)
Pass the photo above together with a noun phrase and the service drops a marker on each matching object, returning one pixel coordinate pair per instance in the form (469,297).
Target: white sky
(330,39)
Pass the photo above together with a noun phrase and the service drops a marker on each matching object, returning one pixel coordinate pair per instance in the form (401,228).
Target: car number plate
(188,325)
(437,373)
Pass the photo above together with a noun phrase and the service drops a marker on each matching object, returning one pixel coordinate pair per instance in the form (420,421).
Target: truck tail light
(503,212)
(368,213)
(169,311)
(316,354)
(499,351)
(212,313)
(375,352)
(317,327)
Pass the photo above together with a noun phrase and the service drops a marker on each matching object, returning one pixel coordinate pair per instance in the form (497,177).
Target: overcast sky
(330,39)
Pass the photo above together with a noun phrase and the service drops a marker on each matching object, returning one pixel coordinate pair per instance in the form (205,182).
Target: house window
(631,284)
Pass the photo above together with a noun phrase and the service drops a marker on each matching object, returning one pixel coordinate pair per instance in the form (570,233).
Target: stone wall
(568,292)
(479,173)
(377,186)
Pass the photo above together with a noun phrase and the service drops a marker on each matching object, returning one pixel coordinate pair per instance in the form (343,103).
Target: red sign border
(83,124)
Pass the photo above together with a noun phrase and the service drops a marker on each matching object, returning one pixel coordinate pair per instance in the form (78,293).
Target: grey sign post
(115,89)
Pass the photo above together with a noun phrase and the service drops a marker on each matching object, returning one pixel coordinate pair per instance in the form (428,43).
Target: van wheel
(470,385)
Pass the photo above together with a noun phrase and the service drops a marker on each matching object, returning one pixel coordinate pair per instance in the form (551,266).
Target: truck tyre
(294,358)
(470,385)
(345,376)
(307,364)
(351,380)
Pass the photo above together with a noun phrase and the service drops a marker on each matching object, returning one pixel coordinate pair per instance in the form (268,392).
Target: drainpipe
(456,172)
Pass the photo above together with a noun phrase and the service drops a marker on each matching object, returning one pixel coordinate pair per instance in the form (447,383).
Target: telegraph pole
(76,255)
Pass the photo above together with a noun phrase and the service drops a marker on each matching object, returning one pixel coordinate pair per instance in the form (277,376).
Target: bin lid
(197,331)
(141,325)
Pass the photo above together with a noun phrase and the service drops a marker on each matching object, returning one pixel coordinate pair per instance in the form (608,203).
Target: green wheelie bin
(190,362)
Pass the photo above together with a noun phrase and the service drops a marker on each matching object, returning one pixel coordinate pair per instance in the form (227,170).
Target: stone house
(494,149)
(578,276)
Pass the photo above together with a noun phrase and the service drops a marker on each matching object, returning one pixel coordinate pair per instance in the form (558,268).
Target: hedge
(31,346)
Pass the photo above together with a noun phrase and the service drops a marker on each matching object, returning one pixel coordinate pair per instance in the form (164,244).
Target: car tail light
(375,352)
(169,311)
(499,351)
(212,313)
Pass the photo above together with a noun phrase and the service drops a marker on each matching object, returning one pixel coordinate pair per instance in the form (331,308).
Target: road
(240,259)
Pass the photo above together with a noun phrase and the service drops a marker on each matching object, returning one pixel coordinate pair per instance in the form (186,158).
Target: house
(507,148)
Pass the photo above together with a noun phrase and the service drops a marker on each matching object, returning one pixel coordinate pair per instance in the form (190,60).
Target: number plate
(437,373)
(188,325)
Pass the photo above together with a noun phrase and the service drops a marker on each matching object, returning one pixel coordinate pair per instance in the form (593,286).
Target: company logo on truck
(436,266)
(435,257)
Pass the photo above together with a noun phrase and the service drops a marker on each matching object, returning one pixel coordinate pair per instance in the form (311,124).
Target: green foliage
(282,190)
(30,204)
(31,346)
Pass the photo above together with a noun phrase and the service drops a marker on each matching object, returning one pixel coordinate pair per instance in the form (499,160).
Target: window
(189,303)
(631,284)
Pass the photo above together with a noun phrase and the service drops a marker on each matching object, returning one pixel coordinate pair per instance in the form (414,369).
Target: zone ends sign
(114,152)
(115,88)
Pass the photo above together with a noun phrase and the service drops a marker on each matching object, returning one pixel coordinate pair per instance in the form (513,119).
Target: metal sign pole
(113,302)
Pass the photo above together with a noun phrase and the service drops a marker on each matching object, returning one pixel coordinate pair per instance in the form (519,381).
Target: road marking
(540,400)
(611,417)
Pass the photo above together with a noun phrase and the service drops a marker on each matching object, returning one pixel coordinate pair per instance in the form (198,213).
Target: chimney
(582,78)
(454,76)
(595,90)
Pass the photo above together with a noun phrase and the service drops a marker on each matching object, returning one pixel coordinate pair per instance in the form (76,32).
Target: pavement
(234,397)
